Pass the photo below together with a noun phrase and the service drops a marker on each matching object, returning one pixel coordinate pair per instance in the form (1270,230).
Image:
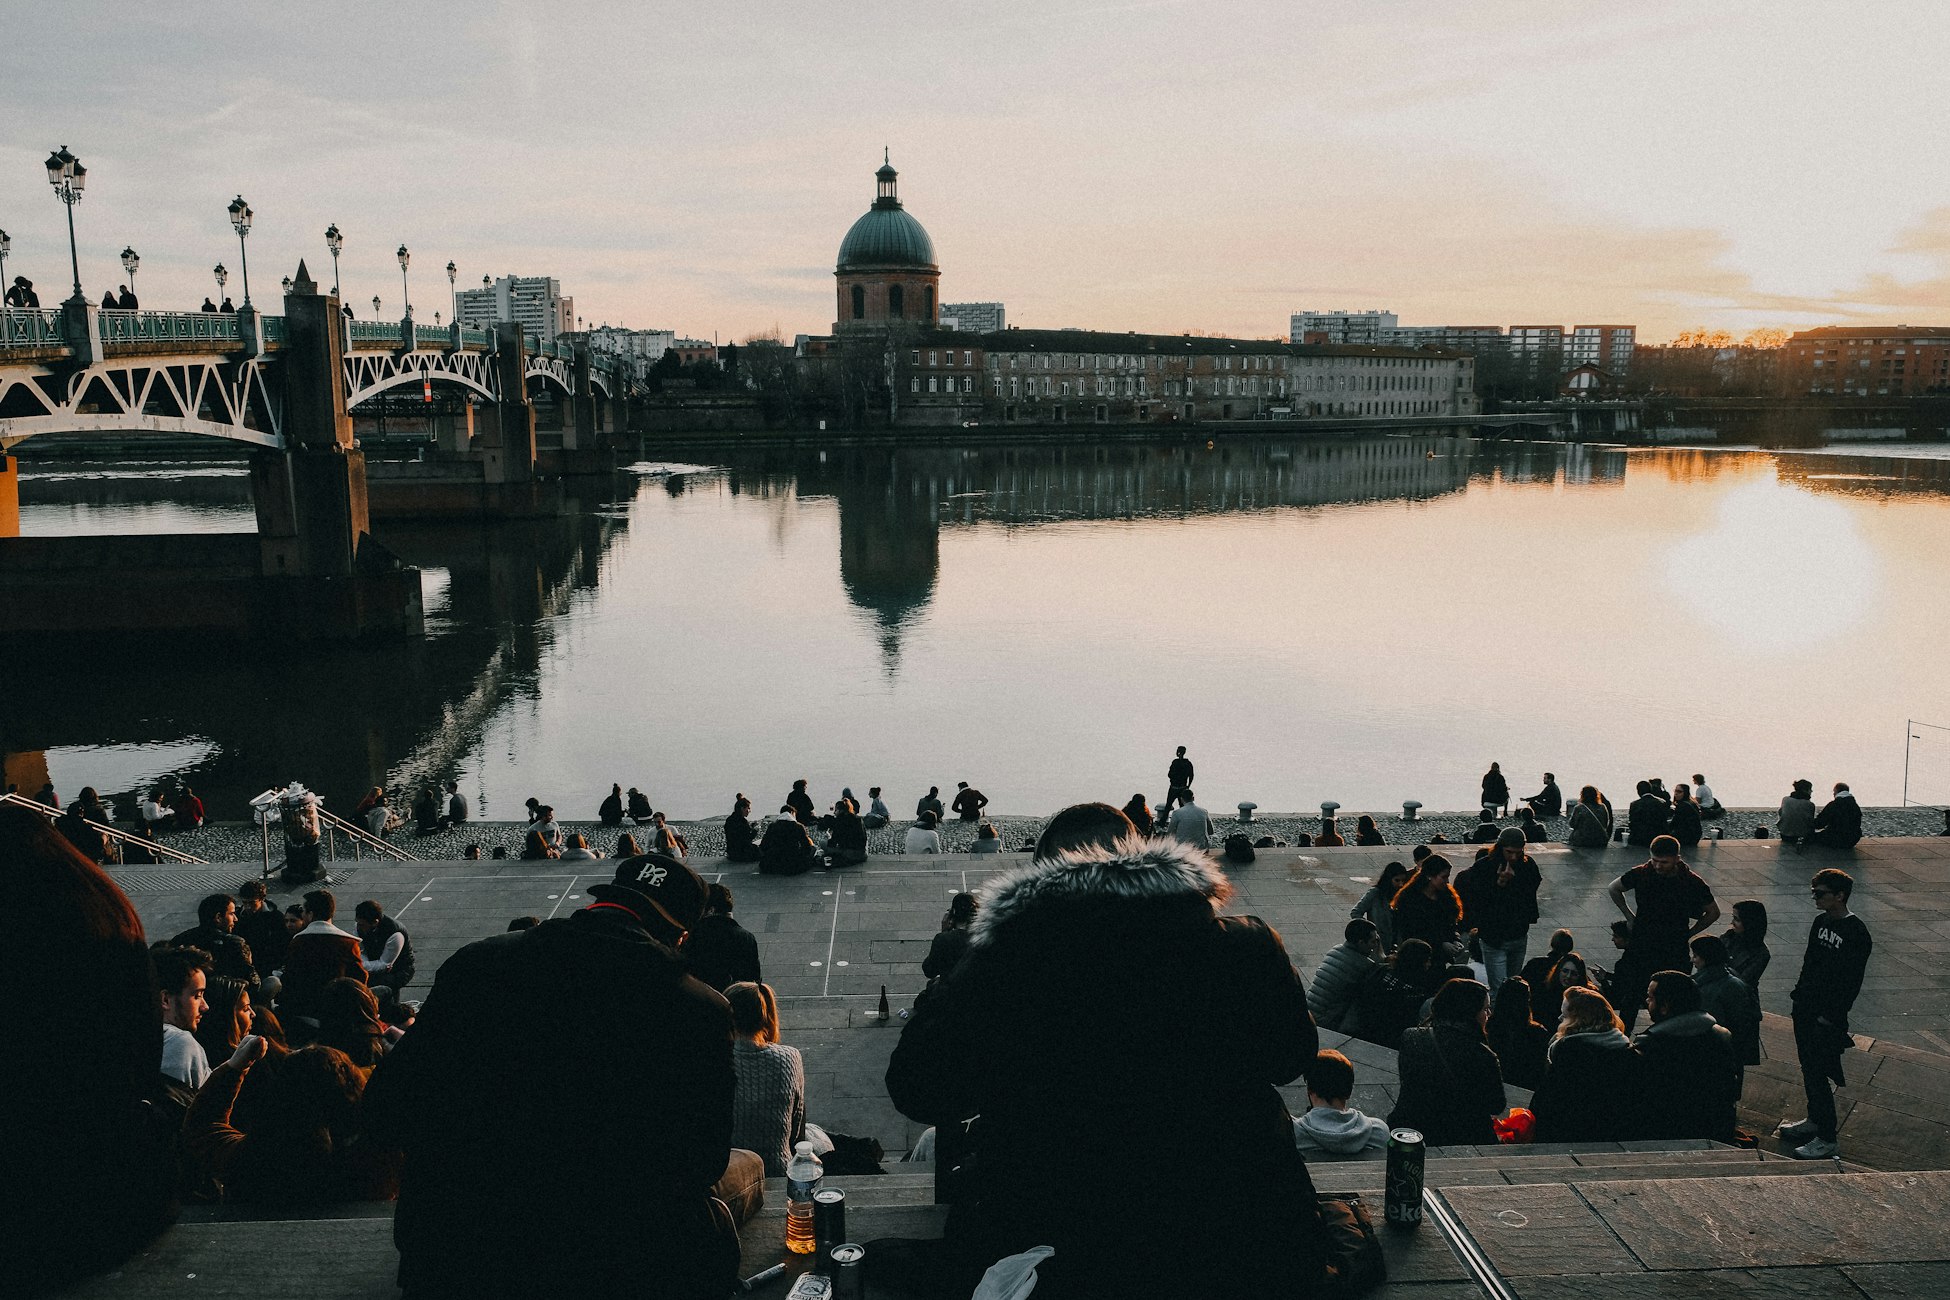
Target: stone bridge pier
(311,572)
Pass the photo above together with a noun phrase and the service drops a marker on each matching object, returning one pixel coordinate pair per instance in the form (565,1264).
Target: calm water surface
(1364,621)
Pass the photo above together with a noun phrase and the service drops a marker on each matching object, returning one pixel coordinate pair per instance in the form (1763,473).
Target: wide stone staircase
(1674,1219)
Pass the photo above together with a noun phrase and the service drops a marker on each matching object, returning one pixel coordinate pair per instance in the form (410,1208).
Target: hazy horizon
(1145,166)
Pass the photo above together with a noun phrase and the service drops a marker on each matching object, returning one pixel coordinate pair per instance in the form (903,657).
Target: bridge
(283,388)
(217,374)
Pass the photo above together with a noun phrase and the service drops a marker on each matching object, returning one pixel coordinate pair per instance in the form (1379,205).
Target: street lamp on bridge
(452,291)
(375,306)
(130,261)
(223,278)
(287,286)
(69,178)
(6,246)
(405,294)
(240,220)
(334,241)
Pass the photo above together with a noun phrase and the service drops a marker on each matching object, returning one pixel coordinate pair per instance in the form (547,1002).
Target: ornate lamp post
(375,306)
(240,220)
(69,178)
(130,261)
(452,292)
(334,241)
(287,286)
(223,277)
(405,294)
(6,325)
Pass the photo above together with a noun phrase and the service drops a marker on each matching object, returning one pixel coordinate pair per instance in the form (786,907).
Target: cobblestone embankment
(239,842)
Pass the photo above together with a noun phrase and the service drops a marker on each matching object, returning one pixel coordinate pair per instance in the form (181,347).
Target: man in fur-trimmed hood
(1122,1044)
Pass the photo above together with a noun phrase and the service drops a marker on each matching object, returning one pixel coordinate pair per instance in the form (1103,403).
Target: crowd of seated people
(263,1058)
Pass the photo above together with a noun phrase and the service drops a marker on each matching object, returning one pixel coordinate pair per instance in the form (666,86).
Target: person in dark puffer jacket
(1342,972)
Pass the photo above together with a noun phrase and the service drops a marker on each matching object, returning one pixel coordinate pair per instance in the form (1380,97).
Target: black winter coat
(786,849)
(530,1119)
(1499,913)
(722,952)
(1839,824)
(1691,1077)
(1590,1091)
(1123,1047)
(1451,1086)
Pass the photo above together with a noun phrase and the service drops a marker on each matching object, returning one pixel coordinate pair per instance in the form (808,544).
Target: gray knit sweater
(768,1107)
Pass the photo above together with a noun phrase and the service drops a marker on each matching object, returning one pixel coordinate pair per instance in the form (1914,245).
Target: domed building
(886,269)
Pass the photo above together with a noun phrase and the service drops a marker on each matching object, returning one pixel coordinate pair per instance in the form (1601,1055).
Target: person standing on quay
(1831,976)
(1674,905)
(1178,781)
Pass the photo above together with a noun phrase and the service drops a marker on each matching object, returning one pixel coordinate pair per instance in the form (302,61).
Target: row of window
(947,356)
(896,302)
(944,382)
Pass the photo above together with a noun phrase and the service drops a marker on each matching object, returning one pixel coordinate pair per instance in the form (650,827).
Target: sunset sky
(1155,166)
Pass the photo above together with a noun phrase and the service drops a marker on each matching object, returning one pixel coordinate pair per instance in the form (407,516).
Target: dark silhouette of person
(126,300)
(1178,780)
(207,306)
(225,306)
(109,302)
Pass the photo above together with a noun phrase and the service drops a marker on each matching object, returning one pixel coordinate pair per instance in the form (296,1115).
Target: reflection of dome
(886,235)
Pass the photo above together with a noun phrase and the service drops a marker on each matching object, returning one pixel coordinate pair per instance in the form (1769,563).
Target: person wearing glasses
(1831,976)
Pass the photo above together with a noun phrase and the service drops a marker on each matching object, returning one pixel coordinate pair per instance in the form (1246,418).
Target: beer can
(829,1218)
(847,1263)
(1403,1182)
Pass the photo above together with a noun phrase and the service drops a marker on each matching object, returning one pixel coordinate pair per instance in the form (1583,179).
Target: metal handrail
(31,326)
(156,847)
(169,326)
(362,838)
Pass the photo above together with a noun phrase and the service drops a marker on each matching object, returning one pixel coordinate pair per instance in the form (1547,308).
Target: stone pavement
(830,940)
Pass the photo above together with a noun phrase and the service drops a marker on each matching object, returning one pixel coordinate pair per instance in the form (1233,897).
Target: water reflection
(1367,620)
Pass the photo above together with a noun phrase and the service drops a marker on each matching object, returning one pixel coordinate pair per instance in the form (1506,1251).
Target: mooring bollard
(1246,812)
(1408,809)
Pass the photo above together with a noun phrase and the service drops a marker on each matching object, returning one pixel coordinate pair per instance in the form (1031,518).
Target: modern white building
(533,300)
(974,317)
(1362,328)
(1609,347)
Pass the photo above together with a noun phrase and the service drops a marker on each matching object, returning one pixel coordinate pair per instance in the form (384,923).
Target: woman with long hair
(1570,971)
(1375,904)
(1140,814)
(1451,1083)
(1392,995)
(1516,1036)
(227,1016)
(1747,954)
(537,849)
(626,847)
(1367,835)
(1685,823)
(1591,1082)
(348,1019)
(1590,821)
(768,1105)
(1427,908)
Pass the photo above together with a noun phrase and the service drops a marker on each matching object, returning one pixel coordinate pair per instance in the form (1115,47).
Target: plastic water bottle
(802,1179)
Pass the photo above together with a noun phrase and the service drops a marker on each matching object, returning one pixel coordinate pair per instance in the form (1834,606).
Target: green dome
(886,236)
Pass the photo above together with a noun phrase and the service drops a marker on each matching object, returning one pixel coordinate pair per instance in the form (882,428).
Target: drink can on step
(847,1263)
(829,1218)
(1407,1153)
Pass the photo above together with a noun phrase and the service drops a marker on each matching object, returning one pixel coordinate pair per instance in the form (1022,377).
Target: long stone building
(888,359)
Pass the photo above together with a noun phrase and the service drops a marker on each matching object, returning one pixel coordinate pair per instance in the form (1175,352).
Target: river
(1367,621)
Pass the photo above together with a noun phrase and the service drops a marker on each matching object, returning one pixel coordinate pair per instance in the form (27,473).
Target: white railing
(156,847)
(361,838)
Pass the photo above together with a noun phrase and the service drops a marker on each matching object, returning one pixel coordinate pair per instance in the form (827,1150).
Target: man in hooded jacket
(1123,1044)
